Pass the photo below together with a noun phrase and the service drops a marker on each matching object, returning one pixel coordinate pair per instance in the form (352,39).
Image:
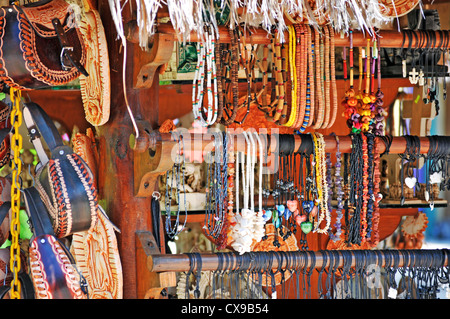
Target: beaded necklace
(350,102)
(229,116)
(379,111)
(206,59)
(319,79)
(307,118)
(302,67)
(217,178)
(219,78)
(263,66)
(279,87)
(365,184)
(173,180)
(293,73)
(311,81)
(327,77)
(321,184)
(339,193)
(247,61)
(375,236)
(227,184)
(284,62)
(333,78)
(197,90)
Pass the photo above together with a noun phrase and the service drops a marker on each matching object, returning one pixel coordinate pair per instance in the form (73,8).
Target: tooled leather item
(52,269)
(5,127)
(48,57)
(64,180)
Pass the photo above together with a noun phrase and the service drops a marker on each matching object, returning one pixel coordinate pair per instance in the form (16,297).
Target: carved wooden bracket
(159,53)
(150,284)
(152,158)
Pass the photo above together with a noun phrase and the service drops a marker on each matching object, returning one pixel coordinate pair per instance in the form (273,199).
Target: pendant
(413,79)
(307,206)
(287,213)
(427,196)
(306,227)
(314,211)
(436,178)
(292,205)
(421,78)
(274,216)
(277,223)
(299,219)
(410,181)
(280,209)
(267,214)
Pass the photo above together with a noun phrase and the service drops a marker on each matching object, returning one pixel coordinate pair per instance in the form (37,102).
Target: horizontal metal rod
(299,260)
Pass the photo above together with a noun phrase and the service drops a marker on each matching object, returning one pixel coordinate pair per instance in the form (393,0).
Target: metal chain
(16,145)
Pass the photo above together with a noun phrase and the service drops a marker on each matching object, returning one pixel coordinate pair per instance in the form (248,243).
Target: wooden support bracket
(151,285)
(160,51)
(152,158)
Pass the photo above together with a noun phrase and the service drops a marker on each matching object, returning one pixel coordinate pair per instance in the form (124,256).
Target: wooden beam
(210,261)
(116,167)
(388,38)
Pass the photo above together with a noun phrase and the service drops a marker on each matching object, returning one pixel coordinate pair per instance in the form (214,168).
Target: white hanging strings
(116,13)
(259,229)
(248,169)
(189,16)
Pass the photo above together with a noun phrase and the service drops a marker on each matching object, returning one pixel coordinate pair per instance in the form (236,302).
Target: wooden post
(116,167)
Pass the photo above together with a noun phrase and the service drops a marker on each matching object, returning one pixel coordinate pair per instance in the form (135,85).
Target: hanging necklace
(350,102)
(321,184)
(216,189)
(318,53)
(379,111)
(259,229)
(293,73)
(302,73)
(231,108)
(175,181)
(307,120)
(327,77)
(375,237)
(311,81)
(205,61)
(333,77)
(339,193)
(365,184)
